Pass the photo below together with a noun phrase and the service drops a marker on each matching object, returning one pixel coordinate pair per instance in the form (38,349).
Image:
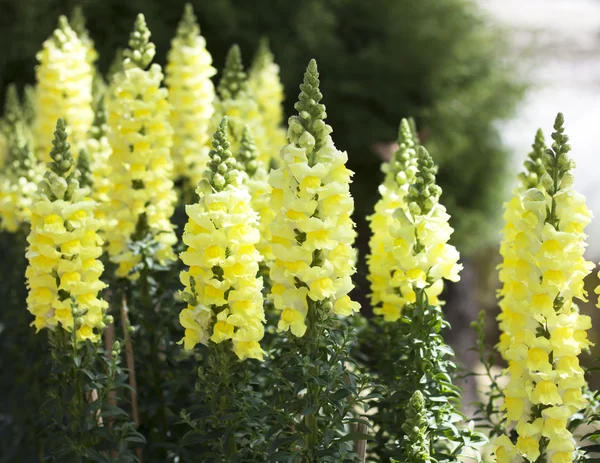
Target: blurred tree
(440,62)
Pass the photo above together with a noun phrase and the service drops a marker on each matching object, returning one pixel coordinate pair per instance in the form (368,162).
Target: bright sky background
(562,38)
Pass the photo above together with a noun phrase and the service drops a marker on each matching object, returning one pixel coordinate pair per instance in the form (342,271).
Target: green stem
(312,341)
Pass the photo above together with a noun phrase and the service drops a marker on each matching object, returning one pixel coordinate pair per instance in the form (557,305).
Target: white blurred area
(560,44)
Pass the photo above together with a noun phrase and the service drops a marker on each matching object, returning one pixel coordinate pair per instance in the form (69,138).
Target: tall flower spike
(545,380)
(510,321)
(236,101)
(29,102)
(400,174)
(311,113)
(84,170)
(233,80)
(18,184)
(420,234)
(312,232)
(64,250)
(534,168)
(99,150)
(141,51)
(78,23)
(223,293)
(140,164)
(257,181)
(191,95)
(266,85)
(64,89)
(13,115)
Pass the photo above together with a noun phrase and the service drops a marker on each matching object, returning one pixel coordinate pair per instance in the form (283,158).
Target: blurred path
(562,39)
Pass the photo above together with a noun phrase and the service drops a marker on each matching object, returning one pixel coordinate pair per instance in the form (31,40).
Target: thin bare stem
(131,367)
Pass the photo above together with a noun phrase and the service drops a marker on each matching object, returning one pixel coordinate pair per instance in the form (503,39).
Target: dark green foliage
(313,392)
(165,373)
(487,413)
(77,428)
(23,359)
(227,413)
(409,356)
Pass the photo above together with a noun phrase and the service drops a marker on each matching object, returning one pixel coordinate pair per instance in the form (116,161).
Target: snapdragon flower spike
(64,269)
(140,164)
(236,101)
(191,95)
(99,150)
(420,233)
(222,290)
(78,23)
(13,122)
(64,89)
(515,217)
(18,184)
(312,232)
(267,88)
(256,180)
(400,173)
(545,380)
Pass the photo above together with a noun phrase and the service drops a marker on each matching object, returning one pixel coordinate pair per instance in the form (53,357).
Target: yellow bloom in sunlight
(236,101)
(19,183)
(141,193)
(542,275)
(256,179)
(312,237)
(191,94)
(64,89)
(64,251)
(266,86)
(222,290)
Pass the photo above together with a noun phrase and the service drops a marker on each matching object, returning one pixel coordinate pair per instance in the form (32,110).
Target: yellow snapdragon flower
(256,180)
(64,269)
(222,290)
(267,88)
(99,151)
(236,101)
(78,24)
(400,173)
(64,89)
(191,95)
(547,333)
(19,183)
(140,164)
(513,288)
(421,255)
(312,232)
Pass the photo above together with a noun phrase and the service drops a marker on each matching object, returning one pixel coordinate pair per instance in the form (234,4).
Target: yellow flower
(309,272)
(256,179)
(63,278)
(542,275)
(141,194)
(266,86)
(99,150)
(64,89)
(222,290)
(191,94)
(236,101)
(505,450)
(18,184)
